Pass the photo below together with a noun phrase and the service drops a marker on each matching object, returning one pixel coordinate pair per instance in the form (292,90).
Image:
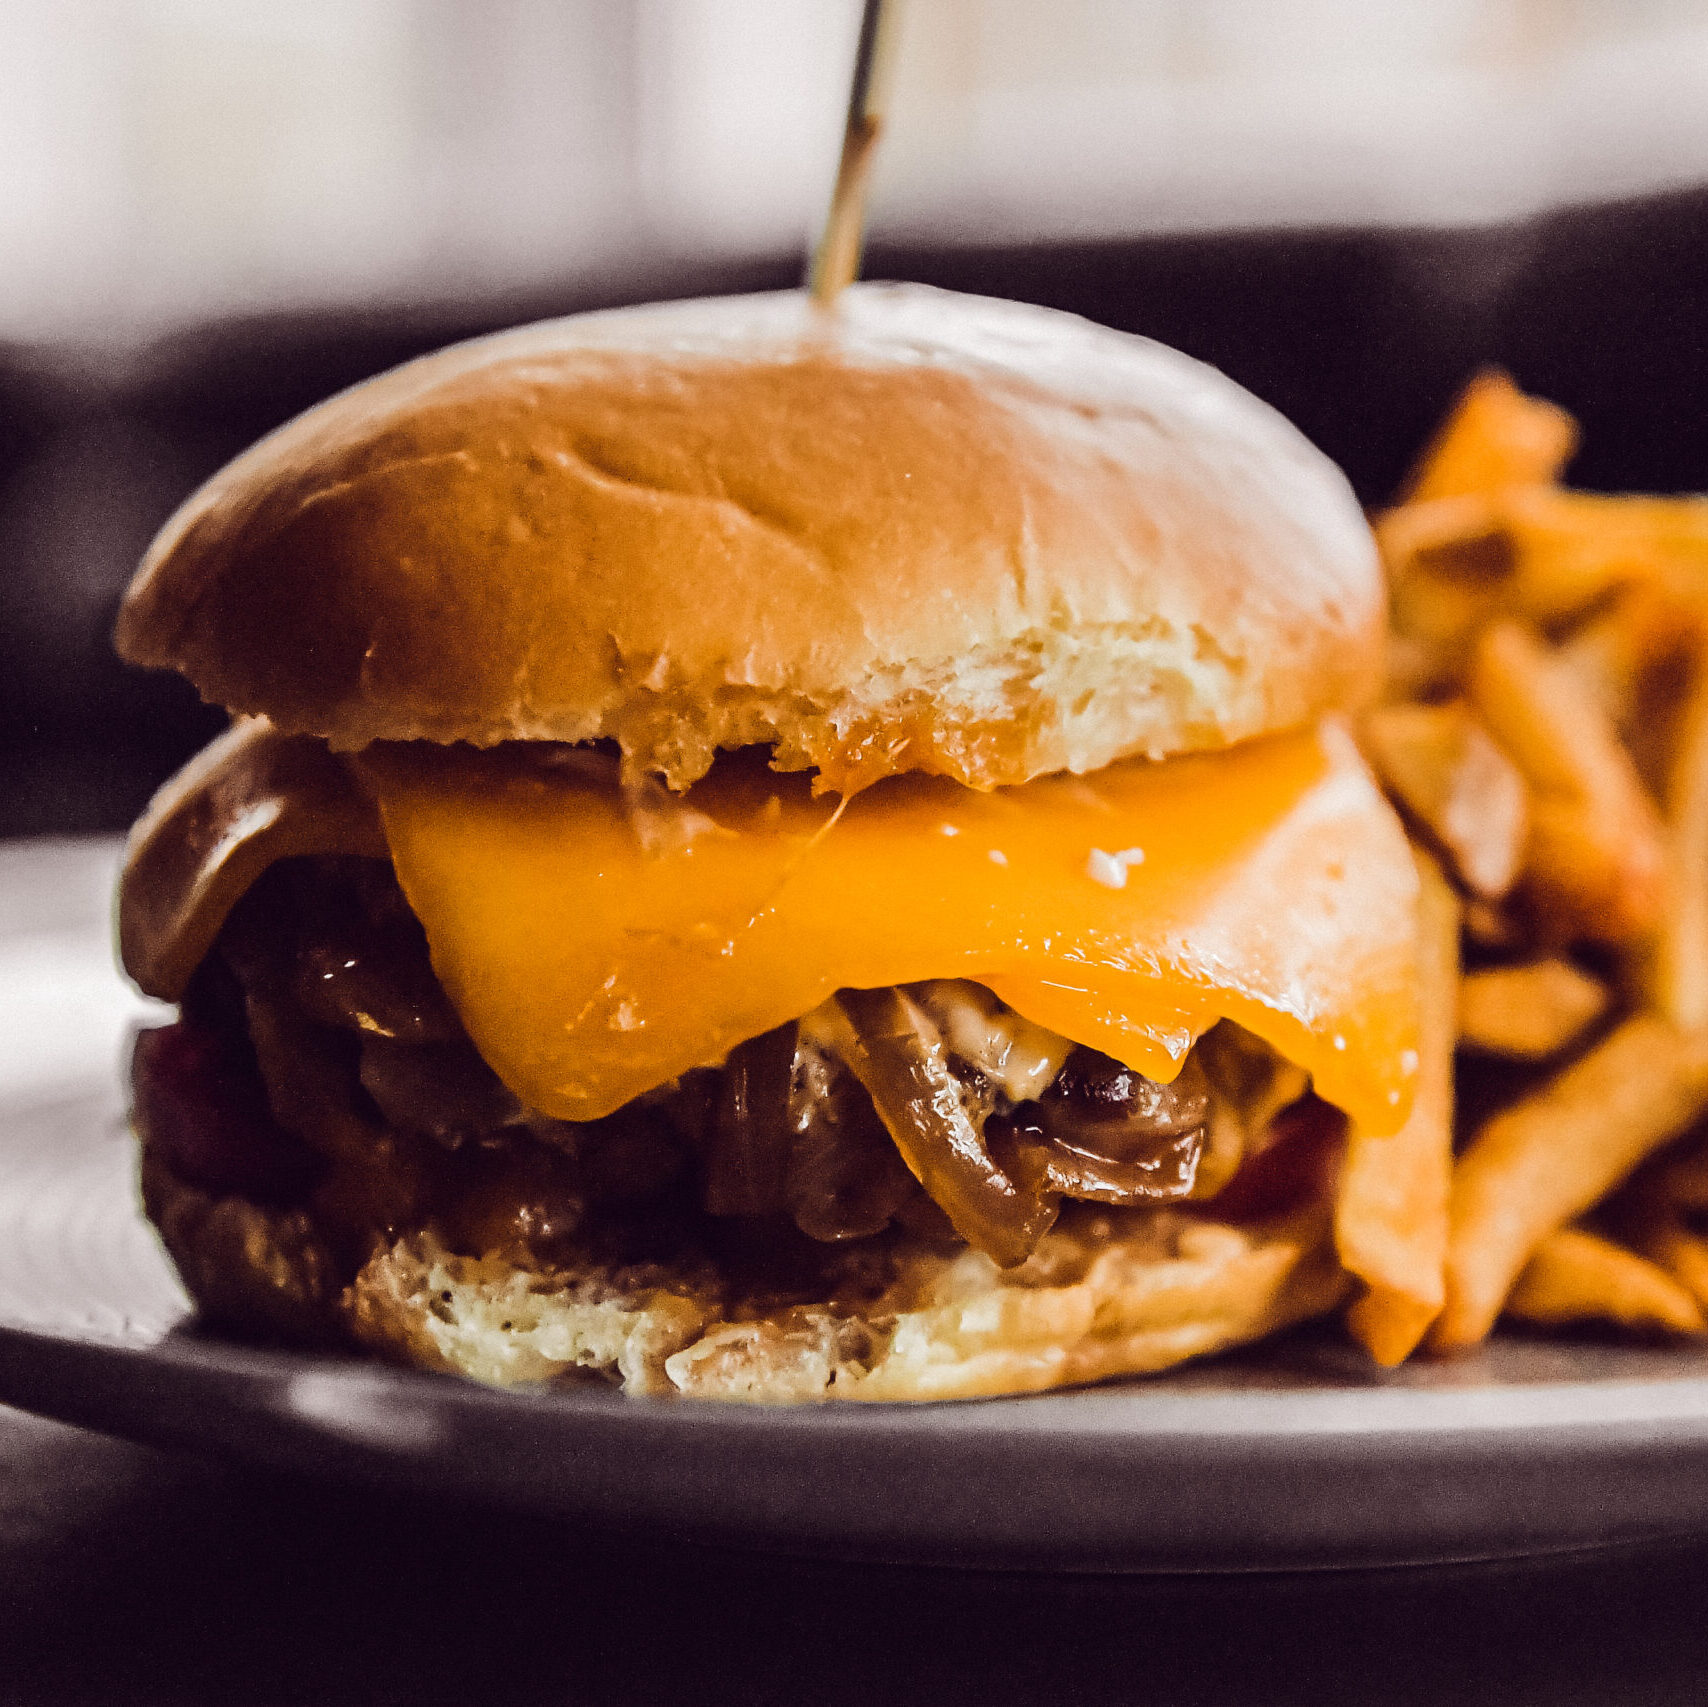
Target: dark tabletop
(129,1575)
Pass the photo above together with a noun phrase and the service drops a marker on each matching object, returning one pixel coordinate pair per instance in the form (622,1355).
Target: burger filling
(318,1064)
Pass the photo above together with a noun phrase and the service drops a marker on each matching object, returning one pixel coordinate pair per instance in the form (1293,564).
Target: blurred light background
(214,212)
(161,160)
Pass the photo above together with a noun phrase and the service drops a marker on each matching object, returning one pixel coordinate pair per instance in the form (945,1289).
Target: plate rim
(791,1479)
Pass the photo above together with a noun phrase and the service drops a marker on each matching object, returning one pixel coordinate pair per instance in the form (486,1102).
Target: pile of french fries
(1545,737)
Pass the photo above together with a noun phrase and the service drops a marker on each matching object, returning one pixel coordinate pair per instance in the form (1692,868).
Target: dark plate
(1295,1454)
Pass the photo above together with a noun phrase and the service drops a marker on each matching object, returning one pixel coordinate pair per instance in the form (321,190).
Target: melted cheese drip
(598,942)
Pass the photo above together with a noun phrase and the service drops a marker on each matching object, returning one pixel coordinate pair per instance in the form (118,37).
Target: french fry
(1549,1158)
(1417,670)
(1570,549)
(1636,659)
(1390,1219)
(1435,621)
(1595,859)
(1535,708)
(1685,1257)
(1462,537)
(1586,879)
(1485,555)
(1488,926)
(1679,969)
(1464,792)
(1681,1181)
(1655,1225)
(1538,553)
(1610,653)
(1531,1011)
(1495,437)
(1447,562)
(1577,1276)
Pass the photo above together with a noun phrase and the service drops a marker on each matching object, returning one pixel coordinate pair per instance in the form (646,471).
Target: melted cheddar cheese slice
(599,941)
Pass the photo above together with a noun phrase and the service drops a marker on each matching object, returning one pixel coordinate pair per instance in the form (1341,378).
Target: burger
(770,851)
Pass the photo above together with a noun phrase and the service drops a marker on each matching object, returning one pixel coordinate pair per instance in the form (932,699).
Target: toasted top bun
(917,531)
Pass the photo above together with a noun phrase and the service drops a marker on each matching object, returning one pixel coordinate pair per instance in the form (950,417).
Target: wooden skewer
(836,260)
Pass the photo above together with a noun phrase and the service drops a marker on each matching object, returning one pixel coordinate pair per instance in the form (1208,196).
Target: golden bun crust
(1124,1294)
(918,531)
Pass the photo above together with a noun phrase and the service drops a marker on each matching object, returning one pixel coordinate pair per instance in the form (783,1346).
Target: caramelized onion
(1119,1113)
(442,1089)
(377,1181)
(793,1133)
(1165,1174)
(1103,1132)
(1248,1077)
(361,955)
(526,1202)
(899,1056)
(747,1156)
(845,1179)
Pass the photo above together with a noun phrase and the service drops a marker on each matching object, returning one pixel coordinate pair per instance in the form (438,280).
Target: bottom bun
(259,1270)
(1108,1293)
